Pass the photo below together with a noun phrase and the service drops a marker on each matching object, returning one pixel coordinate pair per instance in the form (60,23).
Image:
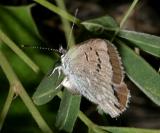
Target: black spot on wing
(97,54)
(99,60)
(97,70)
(86,56)
(99,66)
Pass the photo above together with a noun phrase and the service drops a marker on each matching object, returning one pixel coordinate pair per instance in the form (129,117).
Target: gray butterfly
(94,70)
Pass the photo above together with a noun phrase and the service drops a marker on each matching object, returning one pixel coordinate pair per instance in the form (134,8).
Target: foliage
(17,27)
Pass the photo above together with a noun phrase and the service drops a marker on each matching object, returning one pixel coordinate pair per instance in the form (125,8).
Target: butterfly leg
(69,86)
(59,68)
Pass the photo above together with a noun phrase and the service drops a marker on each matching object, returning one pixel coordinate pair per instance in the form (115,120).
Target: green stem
(57,10)
(125,18)
(4,38)
(6,107)
(86,120)
(128,13)
(66,24)
(18,88)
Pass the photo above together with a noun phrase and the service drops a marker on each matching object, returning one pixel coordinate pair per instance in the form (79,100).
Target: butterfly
(94,70)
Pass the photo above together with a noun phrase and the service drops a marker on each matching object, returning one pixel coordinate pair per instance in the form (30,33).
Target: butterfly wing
(88,67)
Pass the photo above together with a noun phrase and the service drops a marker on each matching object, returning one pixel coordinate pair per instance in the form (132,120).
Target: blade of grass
(146,42)
(57,10)
(66,24)
(4,38)
(18,88)
(18,24)
(125,18)
(6,107)
(128,13)
(128,130)
(86,120)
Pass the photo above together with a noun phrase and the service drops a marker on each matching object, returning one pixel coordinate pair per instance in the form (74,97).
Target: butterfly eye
(62,50)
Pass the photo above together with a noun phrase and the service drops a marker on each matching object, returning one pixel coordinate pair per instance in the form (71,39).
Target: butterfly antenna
(41,48)
(70,34)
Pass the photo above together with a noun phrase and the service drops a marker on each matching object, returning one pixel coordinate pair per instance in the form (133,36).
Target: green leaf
(68,111)
(19,28)
(146,42)
(22,70)
(18,24)
(141,73)
(101,24)
(90,130)
(128,130)
(40,59)
(57,10)
(97,129)
(47,89)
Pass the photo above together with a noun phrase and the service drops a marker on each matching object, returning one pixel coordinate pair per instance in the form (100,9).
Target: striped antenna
(60,51)
(70,34)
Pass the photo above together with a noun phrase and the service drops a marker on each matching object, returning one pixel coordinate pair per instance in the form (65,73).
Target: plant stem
(4,38)
(57,10)
(18,88)
(6,107)
(66,25)
(125,18)
(86,120)
(128,13)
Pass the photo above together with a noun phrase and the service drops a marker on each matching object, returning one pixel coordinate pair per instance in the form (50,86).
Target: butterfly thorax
(66,60)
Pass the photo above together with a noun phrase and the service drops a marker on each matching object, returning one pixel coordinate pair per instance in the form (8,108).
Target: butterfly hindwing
(89,68)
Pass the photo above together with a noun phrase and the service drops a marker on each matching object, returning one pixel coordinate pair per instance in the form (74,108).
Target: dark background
(142,112)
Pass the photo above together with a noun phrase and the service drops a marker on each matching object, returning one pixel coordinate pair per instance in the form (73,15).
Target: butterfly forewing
(89,68)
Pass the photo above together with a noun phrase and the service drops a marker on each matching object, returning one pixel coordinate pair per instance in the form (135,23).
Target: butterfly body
(93,69)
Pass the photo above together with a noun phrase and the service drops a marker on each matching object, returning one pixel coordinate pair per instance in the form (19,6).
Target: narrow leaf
(128,130)
(18,24)
(4,38)
(57,10)
(146,42)
(101,24)
(68,111)
(18,27)
(47,89)
(97,130)
(141,73)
